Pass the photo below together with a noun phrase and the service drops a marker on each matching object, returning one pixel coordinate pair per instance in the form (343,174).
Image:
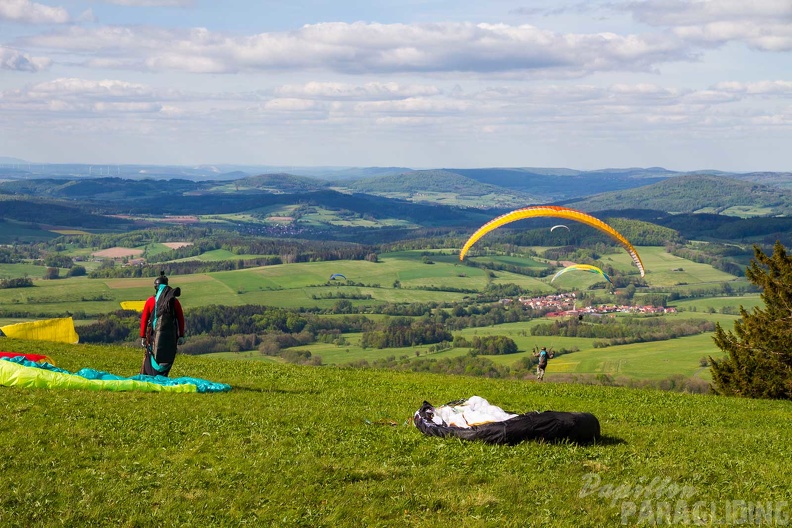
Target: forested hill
(551,185)
(696,193)
(56,213)
(120,189)
(436,181)
(100,189)
(281,182)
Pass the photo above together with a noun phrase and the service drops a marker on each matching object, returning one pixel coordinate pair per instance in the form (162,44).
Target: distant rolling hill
(281,182)
(44,211)
(419,181)
(352,173)
(67,201)
(726,208)
(440,186)
(696,193)
(99,189)
(550,185)
(781,180)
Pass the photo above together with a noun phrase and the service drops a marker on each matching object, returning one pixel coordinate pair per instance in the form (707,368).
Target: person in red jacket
(161,328)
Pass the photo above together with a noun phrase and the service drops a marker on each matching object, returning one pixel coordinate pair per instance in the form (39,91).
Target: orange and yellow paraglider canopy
(556,212)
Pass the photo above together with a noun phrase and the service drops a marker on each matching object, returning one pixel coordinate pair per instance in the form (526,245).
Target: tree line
(623,330)
(402,332)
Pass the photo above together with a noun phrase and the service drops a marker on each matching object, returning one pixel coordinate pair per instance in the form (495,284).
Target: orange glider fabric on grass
(36,358)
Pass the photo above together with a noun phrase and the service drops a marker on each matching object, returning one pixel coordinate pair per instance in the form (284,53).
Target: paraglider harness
(162,334)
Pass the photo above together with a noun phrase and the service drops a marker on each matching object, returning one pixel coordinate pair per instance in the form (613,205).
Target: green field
(719,303)
(12,232)
(651,361)
(15,271)
(219,255)
(656,360)
(660,267)
(313,446)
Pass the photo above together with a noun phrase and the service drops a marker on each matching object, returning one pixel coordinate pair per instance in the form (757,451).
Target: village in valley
(562,304)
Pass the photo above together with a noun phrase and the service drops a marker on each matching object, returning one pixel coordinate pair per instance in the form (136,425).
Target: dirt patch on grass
(118,252)
(183,219)
(280,218)
(177,245)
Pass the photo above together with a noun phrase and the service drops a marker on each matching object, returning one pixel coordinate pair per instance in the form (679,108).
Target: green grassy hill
(314,446)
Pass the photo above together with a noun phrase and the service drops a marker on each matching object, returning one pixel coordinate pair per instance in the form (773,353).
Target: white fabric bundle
(473,411)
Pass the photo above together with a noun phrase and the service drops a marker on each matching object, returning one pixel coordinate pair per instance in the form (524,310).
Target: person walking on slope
(161,328)
(543,356)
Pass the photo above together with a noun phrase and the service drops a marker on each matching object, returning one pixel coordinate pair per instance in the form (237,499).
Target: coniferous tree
(759,361)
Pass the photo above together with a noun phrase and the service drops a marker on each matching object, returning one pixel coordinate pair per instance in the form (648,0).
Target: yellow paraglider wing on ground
(556,212)
(59,330)
(23,373)
(136,306)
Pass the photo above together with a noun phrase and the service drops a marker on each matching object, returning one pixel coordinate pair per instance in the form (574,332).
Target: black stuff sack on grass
(477,419)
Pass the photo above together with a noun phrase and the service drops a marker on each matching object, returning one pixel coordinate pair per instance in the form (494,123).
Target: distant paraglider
(335,276)
(581,267)
(557,226)
(557,212)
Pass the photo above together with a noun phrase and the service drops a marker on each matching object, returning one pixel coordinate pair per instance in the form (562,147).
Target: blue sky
(680,84)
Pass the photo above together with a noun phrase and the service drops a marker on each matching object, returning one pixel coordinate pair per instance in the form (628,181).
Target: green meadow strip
(328,446)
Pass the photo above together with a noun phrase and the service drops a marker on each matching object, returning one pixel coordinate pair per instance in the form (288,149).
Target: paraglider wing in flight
(557,212)
(335,275)
(557,226)
(581,267)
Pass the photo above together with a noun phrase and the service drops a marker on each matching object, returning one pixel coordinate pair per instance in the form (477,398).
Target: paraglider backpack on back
(164,325)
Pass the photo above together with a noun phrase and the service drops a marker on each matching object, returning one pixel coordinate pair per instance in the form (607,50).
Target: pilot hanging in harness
(161,328)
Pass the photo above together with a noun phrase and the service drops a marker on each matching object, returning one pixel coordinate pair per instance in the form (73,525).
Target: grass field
(12,232)
(718,303)
(660,267)
(312,446)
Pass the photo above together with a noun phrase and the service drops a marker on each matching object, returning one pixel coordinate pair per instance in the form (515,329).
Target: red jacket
(148,310)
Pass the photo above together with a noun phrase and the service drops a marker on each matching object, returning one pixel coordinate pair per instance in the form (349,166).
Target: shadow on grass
(609,440)
(242,388)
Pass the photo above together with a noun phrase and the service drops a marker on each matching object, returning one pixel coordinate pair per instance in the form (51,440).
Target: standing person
(543,356)
(161,328)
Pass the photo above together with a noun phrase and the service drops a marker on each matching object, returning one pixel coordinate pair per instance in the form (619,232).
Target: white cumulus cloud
(761,24)
(152,3)
(361,48)
(367,91)
(32,12)
(11,59)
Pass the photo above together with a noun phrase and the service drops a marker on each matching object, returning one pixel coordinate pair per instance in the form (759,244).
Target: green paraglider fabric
(19,372)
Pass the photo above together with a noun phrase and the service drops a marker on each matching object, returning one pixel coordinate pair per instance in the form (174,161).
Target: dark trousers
(148,369)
